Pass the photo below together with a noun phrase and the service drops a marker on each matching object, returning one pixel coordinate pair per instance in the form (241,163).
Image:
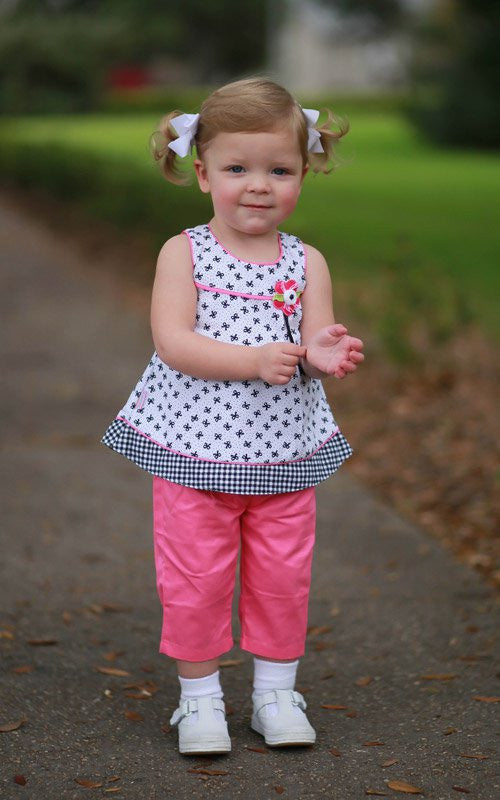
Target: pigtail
(158,143)
(329,140)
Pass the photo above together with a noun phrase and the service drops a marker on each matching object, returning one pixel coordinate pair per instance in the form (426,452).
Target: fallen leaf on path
(146,689)
(7,727)
(134,716)
(231,662)
(317,630)
(376,791)
(113,779)
(327,676)
(88,784)
(279,789)
(113,655)
(470,755)
(402,786)
(257,749)
(115,608)
(363,681)
(147,668)
(42,642)
(335,752)
(445,676)
(113,789)
(448,731)
(334,706)
(474,658)
(484,699)
(120,673)
(373,744)
(461,789)
(319,646)
(67,617)
(390,762)
(24,669)
(100,608)
(205,771)
(352,714)
(6,635)
(20,779)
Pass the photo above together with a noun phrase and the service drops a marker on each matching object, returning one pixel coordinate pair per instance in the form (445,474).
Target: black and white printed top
(242,437)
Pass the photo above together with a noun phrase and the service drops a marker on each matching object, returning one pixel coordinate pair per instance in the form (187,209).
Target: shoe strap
(185,708)
(188,706)
(272,697)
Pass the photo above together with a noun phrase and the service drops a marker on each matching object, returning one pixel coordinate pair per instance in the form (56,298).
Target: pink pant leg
(277,539)
(196,540)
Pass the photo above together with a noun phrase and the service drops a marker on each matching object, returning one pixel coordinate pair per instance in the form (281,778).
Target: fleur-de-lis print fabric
(245,437)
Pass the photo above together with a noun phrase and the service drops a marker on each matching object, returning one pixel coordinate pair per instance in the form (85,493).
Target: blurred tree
(455,73)
(56,54)
(379,17)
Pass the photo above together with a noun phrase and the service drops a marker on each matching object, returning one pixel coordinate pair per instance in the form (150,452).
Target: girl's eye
(280,171)
(236,168)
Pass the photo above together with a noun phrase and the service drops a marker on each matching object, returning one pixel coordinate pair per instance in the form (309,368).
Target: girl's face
(254,178)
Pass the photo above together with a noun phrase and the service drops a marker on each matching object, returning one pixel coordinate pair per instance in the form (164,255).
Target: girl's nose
(258,183)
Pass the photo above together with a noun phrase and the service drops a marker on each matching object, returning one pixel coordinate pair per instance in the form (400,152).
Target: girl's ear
(304,172)
(202,175)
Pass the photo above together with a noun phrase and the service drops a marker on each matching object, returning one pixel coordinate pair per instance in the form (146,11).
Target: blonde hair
(251,104)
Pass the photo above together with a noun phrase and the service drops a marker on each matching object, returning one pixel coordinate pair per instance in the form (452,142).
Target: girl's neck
(256,248)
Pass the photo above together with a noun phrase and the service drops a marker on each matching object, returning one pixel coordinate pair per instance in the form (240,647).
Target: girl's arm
(330,350)
(173,319)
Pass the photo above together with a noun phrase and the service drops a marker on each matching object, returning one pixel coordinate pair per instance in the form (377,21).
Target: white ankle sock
(273,675)
(201,687)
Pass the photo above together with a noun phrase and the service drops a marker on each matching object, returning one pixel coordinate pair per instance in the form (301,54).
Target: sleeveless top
(243,437)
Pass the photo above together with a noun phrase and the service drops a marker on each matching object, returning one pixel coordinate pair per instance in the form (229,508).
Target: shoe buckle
(185,709)
(298,700)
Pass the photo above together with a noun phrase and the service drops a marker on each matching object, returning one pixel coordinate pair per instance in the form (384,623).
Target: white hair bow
(313,136)
(186,126)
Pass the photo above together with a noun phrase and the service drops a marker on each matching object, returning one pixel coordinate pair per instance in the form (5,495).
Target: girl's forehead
(279,141)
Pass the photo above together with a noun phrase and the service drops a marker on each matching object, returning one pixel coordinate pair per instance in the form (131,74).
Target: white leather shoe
(208,734)
(287,727)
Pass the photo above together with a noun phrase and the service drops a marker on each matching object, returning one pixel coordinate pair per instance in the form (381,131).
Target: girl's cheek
(290,201)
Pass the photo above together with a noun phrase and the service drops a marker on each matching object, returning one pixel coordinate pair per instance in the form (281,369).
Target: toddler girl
(230,415)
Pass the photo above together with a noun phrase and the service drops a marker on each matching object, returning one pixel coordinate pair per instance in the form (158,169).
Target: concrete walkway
(388,606)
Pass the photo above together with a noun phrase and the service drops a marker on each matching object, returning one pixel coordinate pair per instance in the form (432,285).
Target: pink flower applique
(286,296)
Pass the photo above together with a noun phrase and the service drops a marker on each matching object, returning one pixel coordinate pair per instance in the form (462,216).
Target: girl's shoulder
(315,260)
(177,249)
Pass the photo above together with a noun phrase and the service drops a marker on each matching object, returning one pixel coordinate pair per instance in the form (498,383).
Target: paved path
(77,568)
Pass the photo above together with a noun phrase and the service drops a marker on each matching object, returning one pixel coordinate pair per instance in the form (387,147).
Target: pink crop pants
(197,535)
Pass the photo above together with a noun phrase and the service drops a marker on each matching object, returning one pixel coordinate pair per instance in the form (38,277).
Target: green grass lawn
(394,194)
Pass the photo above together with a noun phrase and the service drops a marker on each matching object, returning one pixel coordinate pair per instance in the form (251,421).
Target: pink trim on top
(239,294)
(238,463)
(245,261)
(190,247)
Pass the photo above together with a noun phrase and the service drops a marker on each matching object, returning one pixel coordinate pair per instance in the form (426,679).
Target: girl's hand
(277,361)
(332,351)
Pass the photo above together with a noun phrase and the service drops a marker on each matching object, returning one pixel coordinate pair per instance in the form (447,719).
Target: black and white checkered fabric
(273,478)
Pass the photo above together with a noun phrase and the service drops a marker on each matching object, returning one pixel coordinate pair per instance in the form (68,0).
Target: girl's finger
(356,356)
(355,344)
(348,367)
